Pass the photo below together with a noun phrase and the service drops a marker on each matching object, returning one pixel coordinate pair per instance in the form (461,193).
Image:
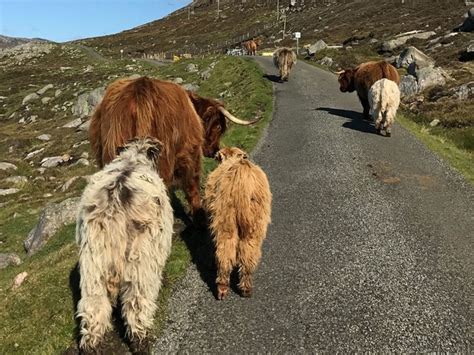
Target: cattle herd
(149,136)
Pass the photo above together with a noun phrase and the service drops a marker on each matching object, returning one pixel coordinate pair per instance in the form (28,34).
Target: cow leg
(249,254)
(226,255)
(366,106)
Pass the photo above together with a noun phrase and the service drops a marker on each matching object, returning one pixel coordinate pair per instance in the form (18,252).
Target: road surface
(370,248)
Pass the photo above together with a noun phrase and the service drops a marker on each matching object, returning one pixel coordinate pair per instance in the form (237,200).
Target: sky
(65,20)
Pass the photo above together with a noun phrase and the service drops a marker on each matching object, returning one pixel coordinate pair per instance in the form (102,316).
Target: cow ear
(154,151)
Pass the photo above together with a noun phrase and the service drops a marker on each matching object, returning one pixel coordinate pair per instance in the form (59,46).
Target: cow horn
(234,119)
(339,72)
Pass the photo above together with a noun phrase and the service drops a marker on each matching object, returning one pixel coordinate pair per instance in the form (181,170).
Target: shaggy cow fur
(384,99)
(238,200)
(150,107)
(251,46)
(124,229)
(363,77)
(284,59)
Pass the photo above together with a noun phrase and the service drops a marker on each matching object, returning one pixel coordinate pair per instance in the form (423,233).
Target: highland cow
(238,200)
(284,59)
(363,77)
(150,107)
(384,99)
(124,229)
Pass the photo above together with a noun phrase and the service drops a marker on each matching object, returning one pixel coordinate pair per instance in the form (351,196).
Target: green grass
(447,143)
(38,317)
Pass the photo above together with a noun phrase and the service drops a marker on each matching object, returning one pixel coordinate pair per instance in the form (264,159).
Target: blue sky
(65,20)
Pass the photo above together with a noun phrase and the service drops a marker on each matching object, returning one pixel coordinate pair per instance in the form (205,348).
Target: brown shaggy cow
(252,45)
(238,200)
(284,59)
(164,110)
(363,77)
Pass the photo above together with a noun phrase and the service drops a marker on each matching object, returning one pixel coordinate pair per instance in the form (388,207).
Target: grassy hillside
(38,317)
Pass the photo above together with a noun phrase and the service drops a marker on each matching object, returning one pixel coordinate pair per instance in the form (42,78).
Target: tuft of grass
(454,146)
(38,317)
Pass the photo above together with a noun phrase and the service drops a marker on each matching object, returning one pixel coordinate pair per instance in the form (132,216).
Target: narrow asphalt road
(370,248)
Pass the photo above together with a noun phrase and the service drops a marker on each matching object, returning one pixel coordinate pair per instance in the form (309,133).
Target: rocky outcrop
(87,102)
(402,38)
(8,259)
(52,218)
(316,47)
(428,77)
(413,59)
(7,166)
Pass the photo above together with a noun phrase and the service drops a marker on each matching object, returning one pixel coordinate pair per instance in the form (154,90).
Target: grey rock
(75,145)
(52,218)
(178,81)
(435,122)
(30,97)
(428,77)
(33,153)
(206,74)
(7,166)
(44,89)
(73,124)
(44,137)
(327,61)
(68,183)
(45,100)
(191,87)
(408,86)
(16,180)
(87,102)
(191,68)
(7,259)
(51,162)
(85,126)
(57,93)
(403,38)
(413,59)
(10,191)
(82,161)
(464,91)
(316,47)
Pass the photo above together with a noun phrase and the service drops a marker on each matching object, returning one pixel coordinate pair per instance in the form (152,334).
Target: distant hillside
(197,28)
(7,42)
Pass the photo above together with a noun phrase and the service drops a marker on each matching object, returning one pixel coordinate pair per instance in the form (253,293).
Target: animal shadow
(114,341)
(273,78)
(357,121)
(199,243)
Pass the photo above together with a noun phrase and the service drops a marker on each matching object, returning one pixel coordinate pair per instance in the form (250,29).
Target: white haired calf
(124,230)
(384,99)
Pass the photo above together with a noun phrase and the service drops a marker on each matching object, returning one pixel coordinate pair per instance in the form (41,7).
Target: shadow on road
(273,78)
(199,243)
(356,122)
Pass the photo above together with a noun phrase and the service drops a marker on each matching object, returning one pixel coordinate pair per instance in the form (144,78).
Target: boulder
(191,87)
(178,81)
(30,97)
(33,153)
(465,91)
(191,68)
(326,61)
(44,137)
(413,59)
(16,180)
(428,77)
(7,259)
(401,39)
(206,74)
(45,100)
(408,86)
(316,47)
(51,162)
(10,191)
(87,102)
(73,124)
(7,166)
(52,218)
(44,89)
(85,126)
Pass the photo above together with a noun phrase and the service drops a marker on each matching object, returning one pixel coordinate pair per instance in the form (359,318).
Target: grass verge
(38,317)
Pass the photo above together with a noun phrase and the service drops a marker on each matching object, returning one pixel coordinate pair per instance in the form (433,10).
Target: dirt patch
(382,171)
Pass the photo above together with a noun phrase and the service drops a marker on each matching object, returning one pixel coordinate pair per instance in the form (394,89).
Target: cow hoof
(247,293)
(388,134)
(222,292)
